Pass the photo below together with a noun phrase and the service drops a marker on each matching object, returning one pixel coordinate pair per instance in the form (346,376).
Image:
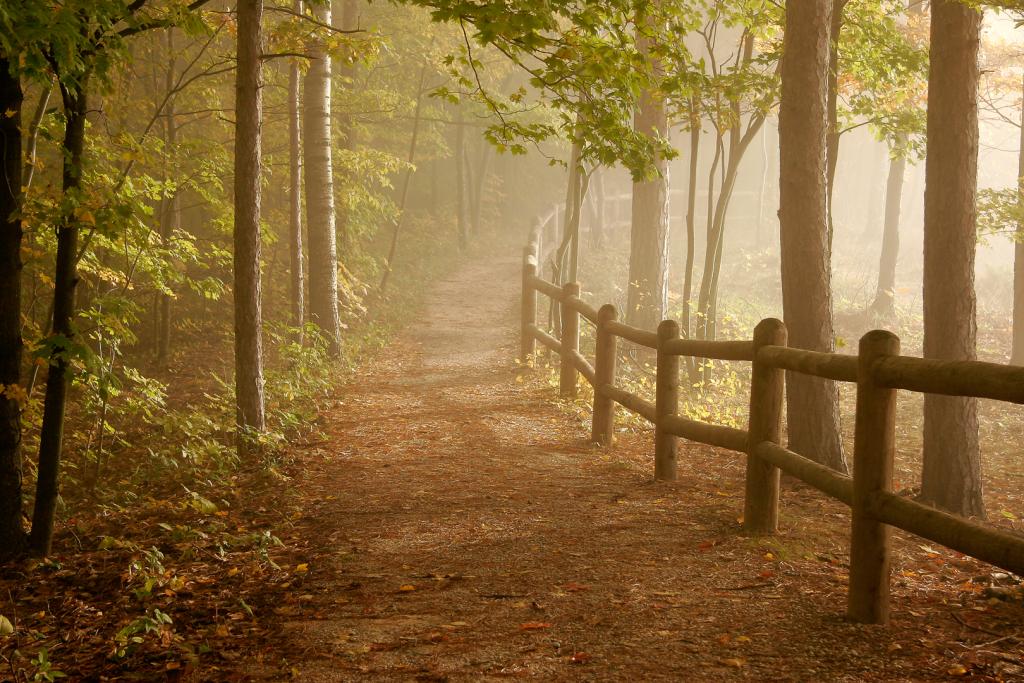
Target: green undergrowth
(153,490)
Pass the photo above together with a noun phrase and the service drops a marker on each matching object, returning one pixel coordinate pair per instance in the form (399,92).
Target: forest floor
(449,521)
(457,525)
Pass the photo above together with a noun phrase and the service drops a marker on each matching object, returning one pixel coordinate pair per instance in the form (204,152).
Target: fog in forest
(443,340)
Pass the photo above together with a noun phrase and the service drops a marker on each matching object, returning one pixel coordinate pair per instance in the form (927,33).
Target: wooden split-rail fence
(878,371)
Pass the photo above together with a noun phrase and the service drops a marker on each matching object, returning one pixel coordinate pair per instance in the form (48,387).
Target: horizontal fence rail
(878,370)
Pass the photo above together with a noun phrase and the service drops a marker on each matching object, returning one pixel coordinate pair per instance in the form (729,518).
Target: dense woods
(216,213)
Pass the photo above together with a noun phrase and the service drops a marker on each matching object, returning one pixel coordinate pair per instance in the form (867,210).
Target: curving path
(465,531)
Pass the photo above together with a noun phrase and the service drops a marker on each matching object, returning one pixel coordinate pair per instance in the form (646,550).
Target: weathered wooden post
(527,342)
(761,503)
(570,341)
(666,402)
(603,424)
(874,444)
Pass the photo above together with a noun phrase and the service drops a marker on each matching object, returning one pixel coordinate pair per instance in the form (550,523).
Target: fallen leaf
(580,658)
(6,627)
(534,625)
(734,662)
(957,670)
(405,588)
(301,568)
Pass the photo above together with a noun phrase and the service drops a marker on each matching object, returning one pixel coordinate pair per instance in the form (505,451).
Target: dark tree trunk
(1017,352)
(323,248)
(12,535)
(812,403)
(648,237)
(297,283)
(248,313)
(951,475)
(51,434)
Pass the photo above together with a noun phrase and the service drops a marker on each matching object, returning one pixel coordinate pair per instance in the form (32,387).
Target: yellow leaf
(957,670)
(301,568)
(407,587)
(233,571)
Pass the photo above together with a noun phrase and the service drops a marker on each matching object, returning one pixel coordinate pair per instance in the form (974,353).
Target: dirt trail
(463,530)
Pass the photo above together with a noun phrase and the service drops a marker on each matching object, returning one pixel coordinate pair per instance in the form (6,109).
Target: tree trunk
(51,435)
(323,248)
(691,233)
(596,202)
(248,313)
(951,475)
(833,135)
(33,136)
(1017,351)
(648,237)
(568,247)
(885,293)
(12,536)
(346,123)
(462,225)
(297,281)
(480,184)
(812,403)
(404,197)
(170,218)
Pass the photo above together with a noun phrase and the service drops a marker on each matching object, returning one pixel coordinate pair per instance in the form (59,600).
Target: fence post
(761,503)
(527,342)
(666,402)
(570,342)
(874,444)
(603,424)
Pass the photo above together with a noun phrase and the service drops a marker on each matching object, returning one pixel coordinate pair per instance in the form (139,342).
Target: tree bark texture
(297,280)
(12,535)
(51,434)
(323,248)
(648,237)
(951,475)
(248,313)
(812,406)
